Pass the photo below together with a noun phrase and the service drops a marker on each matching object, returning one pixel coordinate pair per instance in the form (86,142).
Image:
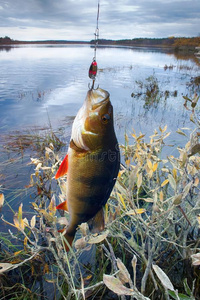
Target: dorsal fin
(63,168)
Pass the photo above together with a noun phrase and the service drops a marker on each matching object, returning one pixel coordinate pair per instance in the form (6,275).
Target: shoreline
(174,44)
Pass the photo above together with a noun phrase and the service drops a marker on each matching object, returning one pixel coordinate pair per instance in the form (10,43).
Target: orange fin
(62,230)
(97,224)
(63,168)
(69,239)
(62,206)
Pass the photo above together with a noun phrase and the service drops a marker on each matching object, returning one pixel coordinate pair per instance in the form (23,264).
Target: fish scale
(92,163)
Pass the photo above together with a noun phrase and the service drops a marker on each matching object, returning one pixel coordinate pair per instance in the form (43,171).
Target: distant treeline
(8,41)
(176,43)
(181,43)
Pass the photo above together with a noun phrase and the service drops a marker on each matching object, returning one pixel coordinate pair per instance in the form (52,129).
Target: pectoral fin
(97,224)
(62,206)
(63,168)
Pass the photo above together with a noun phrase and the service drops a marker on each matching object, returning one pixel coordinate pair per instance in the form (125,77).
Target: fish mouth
(98,97)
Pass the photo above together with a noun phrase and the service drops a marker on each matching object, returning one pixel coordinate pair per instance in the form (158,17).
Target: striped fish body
(93,160)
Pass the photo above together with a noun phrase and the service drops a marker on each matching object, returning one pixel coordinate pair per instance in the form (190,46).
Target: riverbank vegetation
(150,248)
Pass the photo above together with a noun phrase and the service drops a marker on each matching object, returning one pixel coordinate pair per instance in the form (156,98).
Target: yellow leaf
(181,132)
(25,241)
(137,211)
(164,182)
(139,181)
(196,181)
(106,213)
(52,206)
(165,128)
(184,159)
(140,137)
(120,173)
(122,200)
(150,173)
(46,215)
(128,162)
(18,252)
(149,164)
(87,277)
(161,196)
(22,225)
(46,269)
(1,200)
(126,138)
(16,221)
(155,166)
(166,135)
(35,206)
(174,171)
(20,213)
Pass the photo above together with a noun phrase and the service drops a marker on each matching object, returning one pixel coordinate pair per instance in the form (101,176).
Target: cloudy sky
(119,19)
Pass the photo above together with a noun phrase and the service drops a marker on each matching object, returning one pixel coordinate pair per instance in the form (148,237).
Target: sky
(118,19)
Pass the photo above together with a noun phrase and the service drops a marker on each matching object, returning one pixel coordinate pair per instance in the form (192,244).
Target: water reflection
(6,48)
(183,56)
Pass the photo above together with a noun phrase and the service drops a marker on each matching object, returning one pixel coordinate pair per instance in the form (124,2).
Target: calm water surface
(38,83)
(37,80)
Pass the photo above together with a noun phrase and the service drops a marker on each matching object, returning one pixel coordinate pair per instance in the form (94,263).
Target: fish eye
(105,118)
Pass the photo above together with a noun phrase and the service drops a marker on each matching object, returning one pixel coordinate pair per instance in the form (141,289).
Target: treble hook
(92,88)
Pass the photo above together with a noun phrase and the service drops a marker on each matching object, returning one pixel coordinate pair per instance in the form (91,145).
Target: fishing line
(96,34)
(93,66)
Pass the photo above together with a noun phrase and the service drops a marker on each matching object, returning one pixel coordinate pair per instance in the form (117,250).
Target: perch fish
(92,163)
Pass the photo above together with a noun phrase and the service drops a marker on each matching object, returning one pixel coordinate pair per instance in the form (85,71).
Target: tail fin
(69,239)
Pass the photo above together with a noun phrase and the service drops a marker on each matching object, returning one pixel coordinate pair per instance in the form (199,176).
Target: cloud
(76,19)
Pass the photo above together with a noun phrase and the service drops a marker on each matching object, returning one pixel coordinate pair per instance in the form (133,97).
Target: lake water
(42,83)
